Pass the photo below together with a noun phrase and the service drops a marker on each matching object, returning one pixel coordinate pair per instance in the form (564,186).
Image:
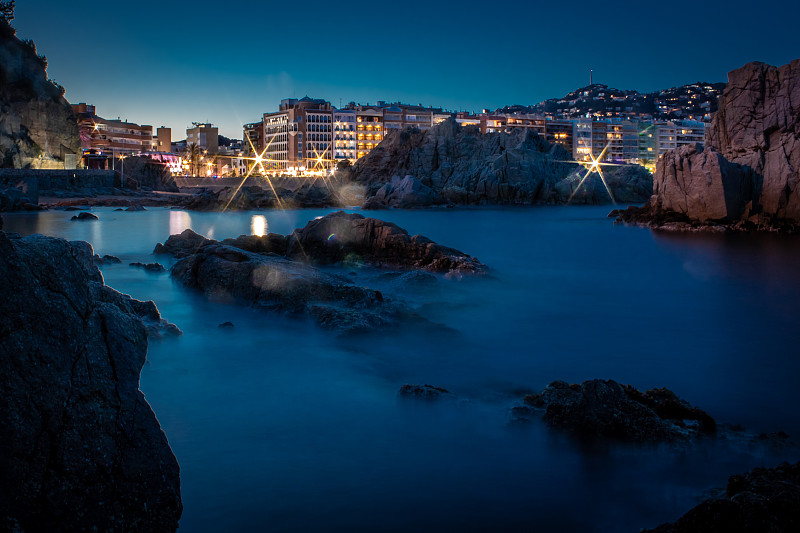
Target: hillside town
(310,136)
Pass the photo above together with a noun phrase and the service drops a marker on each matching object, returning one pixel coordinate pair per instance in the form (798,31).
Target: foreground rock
(764,500)
(748,175)
(81,448)
(453,164)
(599,408)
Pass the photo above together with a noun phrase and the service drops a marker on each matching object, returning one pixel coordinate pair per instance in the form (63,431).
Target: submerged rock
(149,267)
(763,500)
(81,450)
(267,281)
(85,216)
(106,260)
(423,392)
(608,409)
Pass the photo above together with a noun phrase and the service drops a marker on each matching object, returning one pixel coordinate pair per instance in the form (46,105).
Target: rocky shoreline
(280,273)
(747,175)
(81,448)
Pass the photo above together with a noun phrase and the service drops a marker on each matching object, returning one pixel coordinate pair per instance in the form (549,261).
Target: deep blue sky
(170,63)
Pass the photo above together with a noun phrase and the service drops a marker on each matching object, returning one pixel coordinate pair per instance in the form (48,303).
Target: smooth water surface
(282,426)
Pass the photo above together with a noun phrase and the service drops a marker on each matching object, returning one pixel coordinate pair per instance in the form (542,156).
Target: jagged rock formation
(451,163)
(274,271)
(748,176)
(37,125)
(272,282)
(599,408)
(764,500)
(81,450)
(342,237)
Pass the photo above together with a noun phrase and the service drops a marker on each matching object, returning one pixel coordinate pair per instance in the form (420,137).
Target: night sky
(228,62)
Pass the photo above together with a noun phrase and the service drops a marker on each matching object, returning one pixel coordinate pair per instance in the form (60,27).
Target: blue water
(279,425)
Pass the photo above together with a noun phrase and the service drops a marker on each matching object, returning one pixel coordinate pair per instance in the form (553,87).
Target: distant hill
(695,101)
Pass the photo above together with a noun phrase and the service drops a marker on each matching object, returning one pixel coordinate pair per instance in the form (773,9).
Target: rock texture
(599,408)
(81,450)
(271,282)
(764,500)
(748,175)
(37,125)
(454,164)
(424,392)
(275,272)
(340,236)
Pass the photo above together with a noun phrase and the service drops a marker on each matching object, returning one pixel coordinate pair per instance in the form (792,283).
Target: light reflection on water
(281,423)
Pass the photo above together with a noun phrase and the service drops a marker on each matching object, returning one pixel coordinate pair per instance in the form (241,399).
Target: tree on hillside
(7,10)
(193,152)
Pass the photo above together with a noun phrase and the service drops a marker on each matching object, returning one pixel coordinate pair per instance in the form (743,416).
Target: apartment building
(163,141)
(206,136)
(112,137)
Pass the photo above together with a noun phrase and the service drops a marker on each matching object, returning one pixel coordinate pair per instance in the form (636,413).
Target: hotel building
(111,137)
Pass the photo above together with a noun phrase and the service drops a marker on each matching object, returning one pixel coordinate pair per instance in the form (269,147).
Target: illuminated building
(369,130)
(299,135)
(206,136)
(111,137)
(163,139)
(253,137)
(344,135)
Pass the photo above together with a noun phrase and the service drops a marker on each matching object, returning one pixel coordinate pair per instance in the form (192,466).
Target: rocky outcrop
(37,125)
(748,175)
(271,282)
(764,500)
(758,125)
(340,237)
(453,164)
(81,450)
(598,408)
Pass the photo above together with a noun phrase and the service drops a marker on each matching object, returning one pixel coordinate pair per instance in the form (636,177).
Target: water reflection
(258,225)
(179,221)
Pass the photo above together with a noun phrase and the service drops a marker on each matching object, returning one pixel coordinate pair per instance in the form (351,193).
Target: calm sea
(281,426)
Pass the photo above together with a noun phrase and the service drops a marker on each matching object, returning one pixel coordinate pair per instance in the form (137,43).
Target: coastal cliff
(748,174)
(81,449)
(454,164)
(37,125)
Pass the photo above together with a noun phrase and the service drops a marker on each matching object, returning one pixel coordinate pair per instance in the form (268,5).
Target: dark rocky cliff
(748,174)
(451,163)
(37,125)
(81,450)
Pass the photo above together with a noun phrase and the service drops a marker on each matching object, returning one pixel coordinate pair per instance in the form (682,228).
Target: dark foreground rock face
(341,237)
(766,500)
(607,409)
(81,450)
(748,175)
(453,164)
